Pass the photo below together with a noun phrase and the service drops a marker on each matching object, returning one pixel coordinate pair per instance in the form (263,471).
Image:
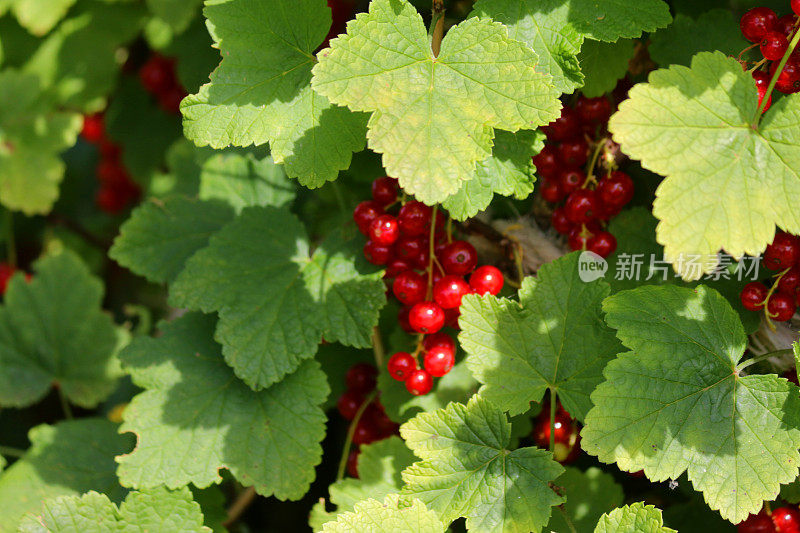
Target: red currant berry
(157,74)
(593,110)
(579,237)
(566,126)
(352,463)
(570,180)
(384,230)
(796,6)
(426,317)
(395,267)
(551,191)
(565,435)
(361,377)
(111,173)
(486,280)
(439,339)
(574,152)
(402,319)
(401,365)
(348,404)
(560,222)
(365,213)
(448,291)
(773,45)
(790,281)
(789,78)
(781,306)
(546,162)
(615,191)
(757,22)
(785,24)
(94,128)
(170,100)
(419,383)
(377,254)
(410,287)
(410,248)
(757,523)
(786,519)
(459,258)
(581,206)
(415,218)
(783,252)
(791,375)
(753,295)
(6,273)
(109,200)
(365,432)
(602,243)
(439,361)
(384,190)
(762,82)
(451,318)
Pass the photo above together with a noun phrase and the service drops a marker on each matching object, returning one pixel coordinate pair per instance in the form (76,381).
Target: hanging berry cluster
(771,35)
(117,190)
(591,187)
(158,77)
(427,270)
(779,301)
(781,520)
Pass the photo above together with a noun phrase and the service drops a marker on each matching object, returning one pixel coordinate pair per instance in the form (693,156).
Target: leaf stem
(65,404)
(553,396)
(437,27)
(774,80)
(377,347)
(11,243)
(567,519)
(240,505)
(777,353)
(11,452)
(350,432)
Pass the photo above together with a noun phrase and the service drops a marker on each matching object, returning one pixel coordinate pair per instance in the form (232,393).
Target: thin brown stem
(348,441)
(240,505)
(567,519)
(377,347)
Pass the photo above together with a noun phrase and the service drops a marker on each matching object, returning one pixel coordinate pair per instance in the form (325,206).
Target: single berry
(377,254)
(384,230)
(757,22)
(581,206)
(574,152)
(401,365)
(439,361)
(439,339)
(789,78)
(415,218)
(395,266)
(593,110)
(352,463)
(565,433)
(796,7)
(384,190)
(566,126)
(790,281)
(110,200)
(419,383)
(579,237)
(426,317)
(157,74)
(773,45)
(486,280)
(551,191)
(762,83)
(571,179)
(348,404)
(448,291)
(451,318)
(757,523)
(402,319)
(781,306)
(365,213)
(786,519)
(783,252)
(410,287)
(753,295)
(365,432)
(361,377)
(94,128)
(459,258)
(410,248)
(791,375)
(546,162)
(560,222)
(615,191)
(602,243)
(786,23)
(6,273)
(110,172)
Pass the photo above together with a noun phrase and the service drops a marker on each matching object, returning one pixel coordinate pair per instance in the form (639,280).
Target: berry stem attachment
(593,162)
(348,442)
(377,347)
(769,294)
(778,353)
(774,80)
(11,245)
(553,396)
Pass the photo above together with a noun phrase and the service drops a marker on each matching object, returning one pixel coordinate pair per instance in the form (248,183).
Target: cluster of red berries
(373,424)
(771,34)
(781,520)
(780,301)
(158,77)
(7,271)
(117,190)
(426,271)
(568,176)
(566,434)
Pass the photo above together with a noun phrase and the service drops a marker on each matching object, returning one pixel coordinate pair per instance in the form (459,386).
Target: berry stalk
(774,80)
(348,441)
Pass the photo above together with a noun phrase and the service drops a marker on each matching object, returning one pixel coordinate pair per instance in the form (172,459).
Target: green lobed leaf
(466,470)
(260,92)
(54,333)
(32,134)
(554,337)
(389,516)
(713,30)
(731,185)
(678,402)
(194,55)
(176,14)
(213,503)
(433,118)
(590,493)
(634,518)
(604,64)
(143,512)
(160,236)
(608,20)
(40,16)
(195,417)
(509,171)
(66,459)
(275,301)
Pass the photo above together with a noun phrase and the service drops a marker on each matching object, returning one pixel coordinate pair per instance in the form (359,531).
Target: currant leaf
(66,459)
(604,64)
(726,168)
(389,516)
(40,16)
(53,332)
(467,470)
(590,493)
(262,254)
(634,518)
(509,171)
(260,92)
(677,401)
(153,510)
(31,136)
(430,135)
(195,418)
(554,337)
(713,30)
(160,236)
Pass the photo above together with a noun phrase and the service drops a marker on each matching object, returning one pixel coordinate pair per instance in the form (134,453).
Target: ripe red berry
(602,243)
(352,463)
(762,82)
(790,282)
(438,361)
(757,523)
(593,110)
(348,404)
(410,248)
(786,519)
(384,230)
(757,22)
(753,295)
(773,45)
(365,213)
(365,432)
(401,365)
(110,200)
(395,267)
(615,191)
(419,383)
(459,258)
(581,206)
(415,218)
(448,291)
(571,180)
(439,339)
(157,74)
(789,78)
(579,235)
(486,280)
(796,6)
(566,126)
(565,434)
(546,162)
(783,252)
(410,287)
(377,254)
(402,319)
(560,222)
(786,23)
(426,317)
(170,100)
(384,190)
(94,128)
(6,273)
(574,152)
(110,172)
(551,190)
(781,306)
(361,377)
